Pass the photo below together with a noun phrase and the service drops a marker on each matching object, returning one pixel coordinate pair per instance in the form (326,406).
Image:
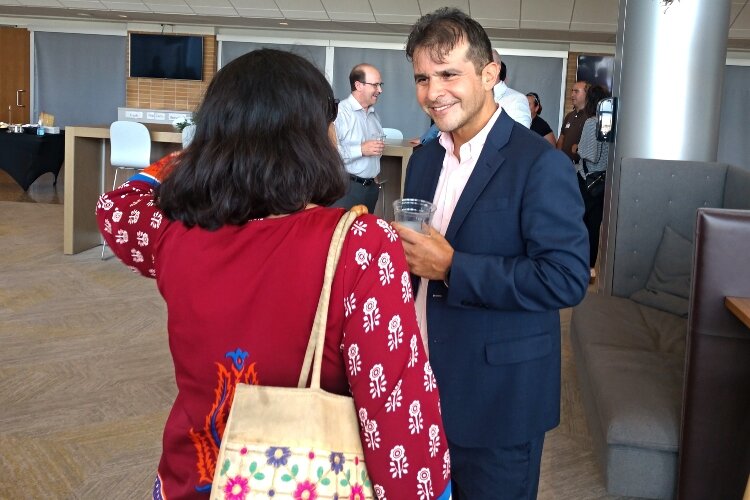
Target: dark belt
(360,180)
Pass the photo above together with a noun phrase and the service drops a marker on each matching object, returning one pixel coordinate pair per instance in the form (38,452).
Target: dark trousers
(592,218)
(506,473)
(357,194)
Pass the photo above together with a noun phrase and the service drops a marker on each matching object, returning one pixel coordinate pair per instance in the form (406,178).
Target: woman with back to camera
(236,233)
(539,124)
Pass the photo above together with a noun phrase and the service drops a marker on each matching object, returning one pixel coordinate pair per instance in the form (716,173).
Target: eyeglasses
(376,84)
(333,109)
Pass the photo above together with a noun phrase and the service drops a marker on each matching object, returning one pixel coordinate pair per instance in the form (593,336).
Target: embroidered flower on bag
(377,381)
(434,434)
(362,258)
(413,346)
(429,378)
(337,461)
(415,417)
(355,363)
(389,231)
(134,216)
(399,464)
(405,287)
(395,337)
(277,456)
(386,269)
(350,304)
(446,464)
(236,488)
(424,488)
(357,492)
(359,228)
(371,314)
(394,399)
(305,491)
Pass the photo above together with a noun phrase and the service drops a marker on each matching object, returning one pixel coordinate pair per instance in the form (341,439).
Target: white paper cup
(413,213)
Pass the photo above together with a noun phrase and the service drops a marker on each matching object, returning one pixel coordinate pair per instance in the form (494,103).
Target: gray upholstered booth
(630,356)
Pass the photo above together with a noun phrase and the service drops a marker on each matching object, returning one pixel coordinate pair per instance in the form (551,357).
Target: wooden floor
(87,378)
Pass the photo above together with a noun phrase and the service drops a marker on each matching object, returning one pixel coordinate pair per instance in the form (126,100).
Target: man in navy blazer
(510,250)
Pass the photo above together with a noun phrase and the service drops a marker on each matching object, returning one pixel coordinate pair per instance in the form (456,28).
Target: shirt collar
(475,144)
(356,106)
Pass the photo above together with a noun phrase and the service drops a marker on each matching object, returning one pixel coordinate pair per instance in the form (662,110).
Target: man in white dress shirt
(360,137)
(513,102)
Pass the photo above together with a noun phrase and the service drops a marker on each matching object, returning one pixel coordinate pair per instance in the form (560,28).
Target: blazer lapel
(490,160)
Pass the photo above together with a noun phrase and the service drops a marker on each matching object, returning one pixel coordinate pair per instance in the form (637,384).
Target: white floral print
(121,237)
(134,216)
(446,464)
(371,314)
(429,378)
(116,215)
(379,492)
(377,381)
(434,434)
(399,464)
(105,203)
(372,435)
(355,363)
(359,228)
(424,488)
(389,231)
(405,287)
(396,333)
(385,269)
(141,238)
(156,220)
(350,304)
(136,255)
(362,258)
(108,226)
(415,417)
(414,351)
(394,399)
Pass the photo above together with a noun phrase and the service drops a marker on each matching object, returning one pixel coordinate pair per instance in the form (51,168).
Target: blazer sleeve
(553,271)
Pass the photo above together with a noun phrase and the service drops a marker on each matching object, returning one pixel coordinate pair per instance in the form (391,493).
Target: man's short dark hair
(441,31)
(503,71)
(357,74)
(261,145)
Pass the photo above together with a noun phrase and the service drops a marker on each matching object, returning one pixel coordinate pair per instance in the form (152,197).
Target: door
(14,75)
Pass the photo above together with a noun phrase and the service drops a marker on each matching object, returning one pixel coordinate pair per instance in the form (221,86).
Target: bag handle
(318,334)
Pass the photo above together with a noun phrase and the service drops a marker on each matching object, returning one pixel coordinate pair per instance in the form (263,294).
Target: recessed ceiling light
(121,15)
(284,23)
(83,14)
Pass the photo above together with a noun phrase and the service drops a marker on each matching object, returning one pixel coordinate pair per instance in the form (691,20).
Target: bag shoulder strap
(317,336)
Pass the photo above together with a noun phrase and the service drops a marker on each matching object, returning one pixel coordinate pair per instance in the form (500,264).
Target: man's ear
(489,75)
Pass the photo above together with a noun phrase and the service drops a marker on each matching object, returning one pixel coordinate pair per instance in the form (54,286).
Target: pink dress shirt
(453,178)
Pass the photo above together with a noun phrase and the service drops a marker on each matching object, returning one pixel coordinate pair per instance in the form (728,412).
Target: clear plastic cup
(413,213)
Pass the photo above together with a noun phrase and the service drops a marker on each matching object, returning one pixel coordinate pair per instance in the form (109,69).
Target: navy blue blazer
(521,254)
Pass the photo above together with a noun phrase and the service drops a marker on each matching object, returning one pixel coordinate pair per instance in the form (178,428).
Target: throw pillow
(668,285)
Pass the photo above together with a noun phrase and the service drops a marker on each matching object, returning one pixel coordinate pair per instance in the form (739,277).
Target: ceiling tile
(126,7)
(741,22)
(37,3)
(163,8)
(596,11)
(214,10)
(302,5)
(593,27)
(496,9)
(545,25)
(15,3)
(209,3)
(256,4)
(397,19)
(737,8)
(395,7)
(305,14)
(427,6)
(263,13)
(83,4)
(164,2)
(498,23)
(346,6)
(556,13)
(366,17)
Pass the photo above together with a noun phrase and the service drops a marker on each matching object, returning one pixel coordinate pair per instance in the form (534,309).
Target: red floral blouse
(241,302)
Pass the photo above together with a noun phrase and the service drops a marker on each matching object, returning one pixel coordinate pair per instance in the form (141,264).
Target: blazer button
(437,295)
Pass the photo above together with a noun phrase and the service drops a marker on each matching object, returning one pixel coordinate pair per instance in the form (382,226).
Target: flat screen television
(177,57)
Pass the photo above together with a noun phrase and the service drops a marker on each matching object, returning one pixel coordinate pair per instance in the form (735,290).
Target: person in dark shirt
(539,124)
(570,133)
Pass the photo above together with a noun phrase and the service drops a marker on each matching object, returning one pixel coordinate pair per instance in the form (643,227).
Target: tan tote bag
(284,442)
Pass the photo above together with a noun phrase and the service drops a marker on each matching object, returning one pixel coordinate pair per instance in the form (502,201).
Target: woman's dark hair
(594,94)
(536,101)
(439,32)
(261,145)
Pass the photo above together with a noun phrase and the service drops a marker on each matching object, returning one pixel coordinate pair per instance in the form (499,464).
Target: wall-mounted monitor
(597,70)
(177,57)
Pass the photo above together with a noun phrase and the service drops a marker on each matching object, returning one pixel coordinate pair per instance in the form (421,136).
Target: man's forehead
(440,55)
